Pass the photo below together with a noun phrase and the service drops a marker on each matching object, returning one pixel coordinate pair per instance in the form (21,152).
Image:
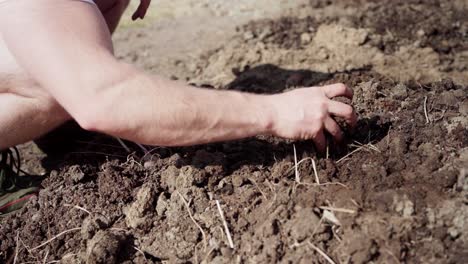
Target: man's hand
(305,113)
(141,10)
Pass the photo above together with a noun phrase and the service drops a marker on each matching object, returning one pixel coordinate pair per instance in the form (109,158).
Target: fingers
(141,10)
(343,110)
(333,129)
(135,15)
(320,141)
(337,89)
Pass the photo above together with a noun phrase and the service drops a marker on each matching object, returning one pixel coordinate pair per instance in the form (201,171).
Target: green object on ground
(15,189)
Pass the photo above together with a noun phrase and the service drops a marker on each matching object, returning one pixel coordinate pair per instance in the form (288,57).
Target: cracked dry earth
(397,192)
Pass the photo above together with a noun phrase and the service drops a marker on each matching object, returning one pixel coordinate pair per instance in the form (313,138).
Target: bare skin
(54,69)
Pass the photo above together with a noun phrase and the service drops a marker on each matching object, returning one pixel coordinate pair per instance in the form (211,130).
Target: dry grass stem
(296,166)
(150,152)
(141,252)
(317,227)
(296,171)
(17,248)
(315,172)
(321,252)
(335,233)
(392,255)
(425,110)
(98,153)
(123,145)
(258,187)
(193,220)
(369,146)
(145,150)
(55,237)
(355,203)
(349,154)
(341,210)
(98,144)
(334,183)
(226,228)
(323,184)
(45,257)
(273,191)
(205,259)
(78,207)
(359,147)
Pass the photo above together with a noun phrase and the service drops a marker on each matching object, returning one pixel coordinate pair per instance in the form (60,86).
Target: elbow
(91,117)
(97,115)
(102,115)
(98,109)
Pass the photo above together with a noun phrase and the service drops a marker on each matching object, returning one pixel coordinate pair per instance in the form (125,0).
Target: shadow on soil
(269,79)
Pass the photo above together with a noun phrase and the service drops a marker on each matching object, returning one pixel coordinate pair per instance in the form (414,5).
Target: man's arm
(66,47)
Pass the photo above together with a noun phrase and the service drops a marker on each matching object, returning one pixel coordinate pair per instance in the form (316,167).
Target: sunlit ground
(157,10)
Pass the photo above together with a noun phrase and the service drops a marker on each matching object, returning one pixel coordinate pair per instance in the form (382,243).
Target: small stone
(162,204)
(105,247)
(462,180)
(168,178)
(76,173)
(400,91)
(404,206)
(70,258)
(447,98)
(149,164)
(91,225)
(237,180)
(463,108)
(248,35)
(420,33)
(305,38)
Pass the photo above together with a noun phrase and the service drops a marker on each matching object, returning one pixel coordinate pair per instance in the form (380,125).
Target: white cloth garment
(88,1)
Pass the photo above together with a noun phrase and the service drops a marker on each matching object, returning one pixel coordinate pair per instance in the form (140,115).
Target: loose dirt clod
(104,247)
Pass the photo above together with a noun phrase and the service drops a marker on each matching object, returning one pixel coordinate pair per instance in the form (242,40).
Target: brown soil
(396,192)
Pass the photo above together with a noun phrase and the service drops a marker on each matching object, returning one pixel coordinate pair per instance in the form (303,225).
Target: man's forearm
(156,111)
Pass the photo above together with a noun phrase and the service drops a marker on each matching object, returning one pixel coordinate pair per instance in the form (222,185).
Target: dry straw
(226,228)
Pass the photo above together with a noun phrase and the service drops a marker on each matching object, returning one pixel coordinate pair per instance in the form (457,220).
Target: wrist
(267,113)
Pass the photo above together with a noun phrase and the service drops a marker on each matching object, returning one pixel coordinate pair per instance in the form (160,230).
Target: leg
(23,119)
(112,10)
(26,110)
